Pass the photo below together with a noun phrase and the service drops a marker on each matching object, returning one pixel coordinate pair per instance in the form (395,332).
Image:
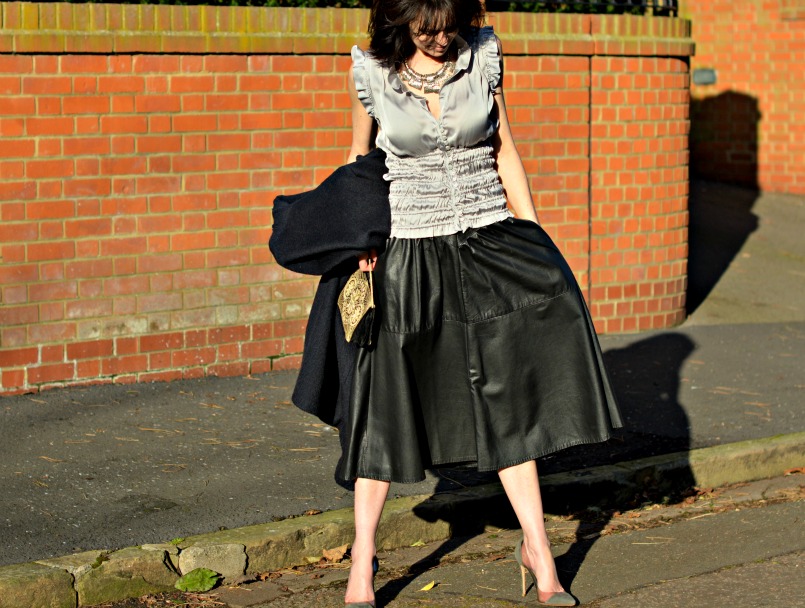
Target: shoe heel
(522,575)
(518,557)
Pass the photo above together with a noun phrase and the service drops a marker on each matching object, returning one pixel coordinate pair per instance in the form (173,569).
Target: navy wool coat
(321,232)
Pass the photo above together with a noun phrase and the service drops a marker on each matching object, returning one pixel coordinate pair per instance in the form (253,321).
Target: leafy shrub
(633,7)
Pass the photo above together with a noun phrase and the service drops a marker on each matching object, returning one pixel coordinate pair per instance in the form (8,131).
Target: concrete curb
(99,576)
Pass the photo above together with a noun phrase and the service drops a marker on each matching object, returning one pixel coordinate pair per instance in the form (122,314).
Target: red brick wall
(640,191)
(136,179)
(749,128)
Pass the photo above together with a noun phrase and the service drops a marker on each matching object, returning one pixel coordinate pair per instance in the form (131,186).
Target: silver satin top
(442,172)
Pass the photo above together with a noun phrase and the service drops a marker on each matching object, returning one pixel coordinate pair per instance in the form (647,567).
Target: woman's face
(432,43)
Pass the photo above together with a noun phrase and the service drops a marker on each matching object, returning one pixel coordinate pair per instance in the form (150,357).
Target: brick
(88,227)
(160,342)
(10,106)
(159,223)
(21,149)
(159,302)
(123,165)
(193,357)
(16,232)
(86,105)
(186,242)
(158,184)
(157,103)
(223,335)
(229,369)
(16,64)
(228,181)
(195,279)
(12,127)
(239,141)
(87,187)
(124,365)
(51,332)
(83,64)
(90,350)
(85,146)
(18,357)
(50,251)
(18,315)
(286,363)
(121,83)
(38,85)
(226,63)
(62,290)
(193,163)
(51,373)
(124,124)
(150,144)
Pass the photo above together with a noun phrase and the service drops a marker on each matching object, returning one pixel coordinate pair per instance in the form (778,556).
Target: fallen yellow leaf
(336,554)
(429,586)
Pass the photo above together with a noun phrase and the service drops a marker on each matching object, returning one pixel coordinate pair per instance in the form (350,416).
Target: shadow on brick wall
(723,138)
(724,187)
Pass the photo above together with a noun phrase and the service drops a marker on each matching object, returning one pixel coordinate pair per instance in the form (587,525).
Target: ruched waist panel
(444,192)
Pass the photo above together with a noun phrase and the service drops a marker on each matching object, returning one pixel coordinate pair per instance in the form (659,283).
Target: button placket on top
(451,181)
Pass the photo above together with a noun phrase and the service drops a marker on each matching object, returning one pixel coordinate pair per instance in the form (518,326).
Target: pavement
(709,550)
(111,474)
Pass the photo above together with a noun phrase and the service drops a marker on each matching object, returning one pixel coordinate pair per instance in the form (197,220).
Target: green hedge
(616,6)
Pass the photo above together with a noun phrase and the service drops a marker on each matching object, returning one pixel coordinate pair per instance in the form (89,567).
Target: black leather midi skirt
(485,353)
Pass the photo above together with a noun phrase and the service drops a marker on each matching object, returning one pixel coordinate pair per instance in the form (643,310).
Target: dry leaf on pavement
(336,554)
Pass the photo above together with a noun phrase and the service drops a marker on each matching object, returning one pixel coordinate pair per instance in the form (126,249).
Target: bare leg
(370,496)
(522,488)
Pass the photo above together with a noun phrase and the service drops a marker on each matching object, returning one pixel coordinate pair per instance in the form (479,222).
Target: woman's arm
(362,129)
(362,124)
(510,165)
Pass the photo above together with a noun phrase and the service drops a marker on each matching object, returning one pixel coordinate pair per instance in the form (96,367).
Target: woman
(485,351)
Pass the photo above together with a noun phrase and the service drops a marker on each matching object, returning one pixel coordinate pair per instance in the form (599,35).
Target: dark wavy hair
(389,22)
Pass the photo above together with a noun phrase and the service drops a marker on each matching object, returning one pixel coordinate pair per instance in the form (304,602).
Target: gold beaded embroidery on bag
(356,302)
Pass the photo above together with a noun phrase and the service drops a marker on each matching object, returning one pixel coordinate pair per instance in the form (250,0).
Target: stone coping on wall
(64,27)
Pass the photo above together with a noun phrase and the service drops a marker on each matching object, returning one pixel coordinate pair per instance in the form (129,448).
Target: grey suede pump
(561,598)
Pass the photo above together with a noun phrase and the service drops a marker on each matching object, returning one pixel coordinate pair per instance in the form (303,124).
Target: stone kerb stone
(228,560)
(36,586)
(126,573)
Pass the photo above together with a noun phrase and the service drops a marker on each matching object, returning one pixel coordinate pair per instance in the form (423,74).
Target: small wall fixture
(704,76)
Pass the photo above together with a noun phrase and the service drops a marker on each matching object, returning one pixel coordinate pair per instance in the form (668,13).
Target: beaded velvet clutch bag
(357,305)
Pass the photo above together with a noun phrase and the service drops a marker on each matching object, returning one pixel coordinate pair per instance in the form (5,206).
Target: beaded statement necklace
(427,83)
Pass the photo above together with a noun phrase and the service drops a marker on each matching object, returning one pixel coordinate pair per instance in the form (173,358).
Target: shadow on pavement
(720,222)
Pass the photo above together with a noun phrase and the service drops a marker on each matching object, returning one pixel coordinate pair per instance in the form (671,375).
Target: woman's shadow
(646,378)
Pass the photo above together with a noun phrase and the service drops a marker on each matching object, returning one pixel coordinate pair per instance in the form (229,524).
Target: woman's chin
(437,53)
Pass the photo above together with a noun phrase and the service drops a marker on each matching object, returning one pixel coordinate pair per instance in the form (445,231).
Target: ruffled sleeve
(489,56)
(360,74)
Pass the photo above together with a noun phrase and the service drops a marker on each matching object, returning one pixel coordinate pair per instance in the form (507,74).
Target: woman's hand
(367,261)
